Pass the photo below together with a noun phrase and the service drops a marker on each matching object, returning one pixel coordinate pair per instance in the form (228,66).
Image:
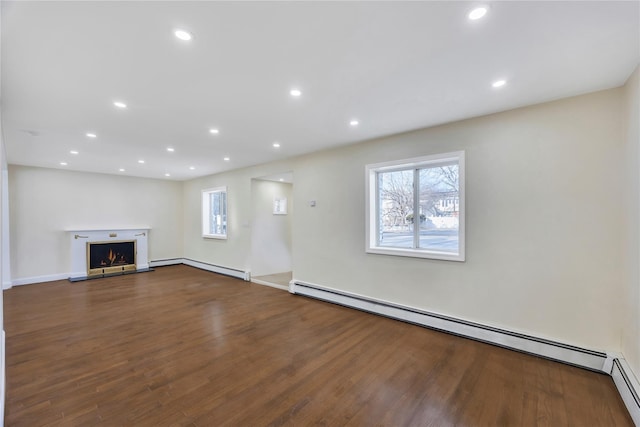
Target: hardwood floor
(181,346)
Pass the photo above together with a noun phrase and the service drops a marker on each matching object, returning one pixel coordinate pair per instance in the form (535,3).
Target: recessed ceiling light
(91,135)
(354,123)
(499,83)
(214,131)
(281,180)
(276,145)
(121,169)
(73,152)
(167,174)
(192,168)
(478,13)
(226,159)
(170,149)
(120,104)
(295,93)
(141,161)
(63,163)
(182,35)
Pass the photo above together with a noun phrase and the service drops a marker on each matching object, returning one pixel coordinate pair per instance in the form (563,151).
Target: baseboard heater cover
(165,262)
(585,358)
(227,271)
(628,387)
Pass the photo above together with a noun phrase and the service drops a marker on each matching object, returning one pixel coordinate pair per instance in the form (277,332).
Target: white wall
(6,231)
(544,227)
(46,202)
(235,251)
(631,335)
(4,257)
(545,221)
(270,234)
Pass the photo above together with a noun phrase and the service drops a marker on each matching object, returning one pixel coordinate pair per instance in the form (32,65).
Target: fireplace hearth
(114,257)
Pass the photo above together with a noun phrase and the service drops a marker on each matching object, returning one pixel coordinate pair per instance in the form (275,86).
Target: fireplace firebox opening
(116,257)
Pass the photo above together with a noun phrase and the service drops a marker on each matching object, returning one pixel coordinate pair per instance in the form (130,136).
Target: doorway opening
(271,230)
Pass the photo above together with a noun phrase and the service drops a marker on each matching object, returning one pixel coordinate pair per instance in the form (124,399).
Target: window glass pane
(395,193)
(218,213)
(439,208)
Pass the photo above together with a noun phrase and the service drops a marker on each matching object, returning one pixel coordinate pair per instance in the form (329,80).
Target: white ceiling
(395,66)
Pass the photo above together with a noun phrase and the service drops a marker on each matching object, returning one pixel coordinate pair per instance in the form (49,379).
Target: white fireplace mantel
(79,239)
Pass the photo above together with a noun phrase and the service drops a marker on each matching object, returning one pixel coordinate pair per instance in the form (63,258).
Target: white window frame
(372,208)
(206,209)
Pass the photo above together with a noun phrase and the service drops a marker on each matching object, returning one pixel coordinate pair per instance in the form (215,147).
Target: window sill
(215,236)
(417,253)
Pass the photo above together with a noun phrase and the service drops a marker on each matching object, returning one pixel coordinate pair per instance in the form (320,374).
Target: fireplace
(80,238)
(114,257)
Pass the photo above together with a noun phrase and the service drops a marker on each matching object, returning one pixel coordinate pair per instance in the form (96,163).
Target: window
(214,213)
(415,207)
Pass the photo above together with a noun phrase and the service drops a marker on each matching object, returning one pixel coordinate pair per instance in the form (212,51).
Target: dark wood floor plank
(184,347)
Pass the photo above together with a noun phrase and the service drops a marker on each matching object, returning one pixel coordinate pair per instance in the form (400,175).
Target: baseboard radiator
(628,387)
(611,364)
(227,271)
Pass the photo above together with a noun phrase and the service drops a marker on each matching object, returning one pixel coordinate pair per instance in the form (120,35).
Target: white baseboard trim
(227,271)
(39,279)
(628,387)
(272,285)
(6,285)
(566,353)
